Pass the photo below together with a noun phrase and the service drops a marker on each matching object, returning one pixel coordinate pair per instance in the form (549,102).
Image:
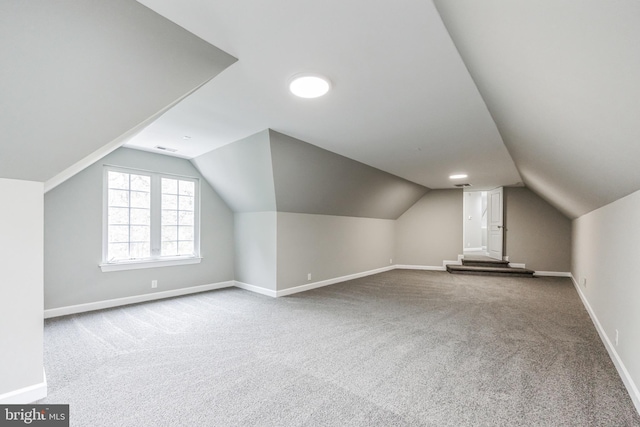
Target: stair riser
(485,264)
(482,273)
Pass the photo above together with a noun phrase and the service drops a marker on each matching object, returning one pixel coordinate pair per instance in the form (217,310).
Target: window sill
(136,265)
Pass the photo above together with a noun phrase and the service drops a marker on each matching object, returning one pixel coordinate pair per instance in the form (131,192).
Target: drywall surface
(83,73)
(21,314)
(73,238)
(475,216)
(538,235)
(328,247)
(431,230)
(241,173)
(561,82)
(256,249)
(309,179)
(605,252)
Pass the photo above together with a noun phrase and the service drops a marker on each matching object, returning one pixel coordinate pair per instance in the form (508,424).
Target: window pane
(186,218)
(185,233)
(140,233)
(140,216)
(141,183)
(118,233)
(118,180)
(118,216)
(119,198)
(186,203)
(169,249)
(169,218)
(140,250)
(169,233)
(169,186)
(185,248)
(187,188)
(116,251)
(140,200)
(169,202)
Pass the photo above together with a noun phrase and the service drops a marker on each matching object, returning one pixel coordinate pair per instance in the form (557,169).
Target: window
(150,220)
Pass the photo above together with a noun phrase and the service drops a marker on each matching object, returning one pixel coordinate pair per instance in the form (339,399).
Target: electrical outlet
(309,276)
(616,337)
(584,282)
(390,260)
(154,283)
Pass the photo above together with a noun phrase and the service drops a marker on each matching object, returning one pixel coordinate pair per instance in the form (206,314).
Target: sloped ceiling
(270,171)
(77,74)
(241,173)
(562,82)
(402,100)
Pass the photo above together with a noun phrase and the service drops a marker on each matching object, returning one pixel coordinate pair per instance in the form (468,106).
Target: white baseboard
(552,273)
(517,265)
(632,388)
(333,281)
(99,305)
(26,395)
(256,289)
(424,267)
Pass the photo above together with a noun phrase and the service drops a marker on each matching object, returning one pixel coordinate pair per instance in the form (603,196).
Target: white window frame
(156,260)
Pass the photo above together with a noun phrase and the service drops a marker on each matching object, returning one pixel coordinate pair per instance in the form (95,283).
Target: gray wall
(605,252)
(256,249)
(431,230)
(73,238)
(241,173)
(537,235)
(21,252)
(330,246)
(309,179)
(85,72)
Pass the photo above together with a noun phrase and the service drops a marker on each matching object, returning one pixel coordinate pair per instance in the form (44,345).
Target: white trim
(424,267)
(552,273)
(256,289)
(98,305)
(103,151)
(474,249)
(26,395)
(333,281)
(135,265)
(516,265)
(634,393)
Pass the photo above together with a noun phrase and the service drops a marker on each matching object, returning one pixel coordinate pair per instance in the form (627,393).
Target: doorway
(475,223)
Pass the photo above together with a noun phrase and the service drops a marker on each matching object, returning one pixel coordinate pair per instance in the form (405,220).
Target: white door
(495,223)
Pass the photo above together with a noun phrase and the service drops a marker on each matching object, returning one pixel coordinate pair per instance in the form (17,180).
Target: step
(485,263)
(489,271)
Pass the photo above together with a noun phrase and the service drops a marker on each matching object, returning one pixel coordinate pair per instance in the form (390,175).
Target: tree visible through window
(178,208)
(149,216)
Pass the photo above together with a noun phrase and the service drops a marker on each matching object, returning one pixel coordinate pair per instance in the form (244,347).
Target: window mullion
(156,215)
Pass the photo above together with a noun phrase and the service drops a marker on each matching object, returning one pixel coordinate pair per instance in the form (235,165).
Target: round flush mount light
(458,176)
(309,85)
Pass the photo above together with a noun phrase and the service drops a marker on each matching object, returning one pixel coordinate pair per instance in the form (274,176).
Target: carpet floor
(401,348)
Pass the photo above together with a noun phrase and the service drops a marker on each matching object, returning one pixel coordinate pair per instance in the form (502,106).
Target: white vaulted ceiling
(402,100)
(562,81)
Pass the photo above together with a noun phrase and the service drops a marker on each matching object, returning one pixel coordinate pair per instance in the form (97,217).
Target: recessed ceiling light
(309,85)
(458,176)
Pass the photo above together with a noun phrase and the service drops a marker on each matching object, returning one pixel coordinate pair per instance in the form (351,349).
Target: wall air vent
(462,185)
(159,147)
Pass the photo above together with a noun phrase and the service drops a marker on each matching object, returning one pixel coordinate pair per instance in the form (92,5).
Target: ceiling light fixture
(309,85)
(458,176)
